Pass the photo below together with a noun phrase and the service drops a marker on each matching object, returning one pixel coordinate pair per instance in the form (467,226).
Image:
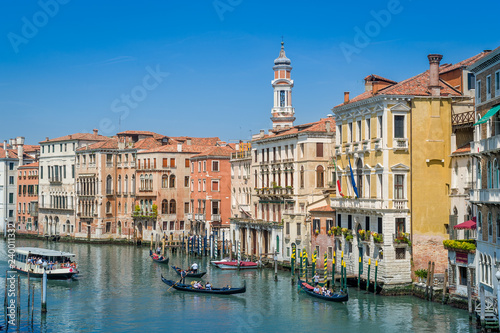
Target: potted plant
(330,232)
(377,238)
(316,232)
(421,274)
(403,237)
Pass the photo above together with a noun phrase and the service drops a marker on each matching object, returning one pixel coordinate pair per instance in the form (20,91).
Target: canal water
(120,290)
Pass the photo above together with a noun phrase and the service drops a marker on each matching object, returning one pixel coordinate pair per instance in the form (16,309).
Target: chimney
(4,144)
(46,138)
(327,124)
(261,134)
(434,60)
(20,149)
(346,97)
(12,143)
(95,132)
(189,141)
(179,146)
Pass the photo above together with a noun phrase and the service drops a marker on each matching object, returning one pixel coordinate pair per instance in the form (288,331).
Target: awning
(491,112)
(470,225)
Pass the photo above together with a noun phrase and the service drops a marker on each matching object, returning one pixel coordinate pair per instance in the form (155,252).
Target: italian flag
(336,176)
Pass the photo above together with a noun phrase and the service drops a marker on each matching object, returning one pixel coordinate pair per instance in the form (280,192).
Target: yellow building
(397,137)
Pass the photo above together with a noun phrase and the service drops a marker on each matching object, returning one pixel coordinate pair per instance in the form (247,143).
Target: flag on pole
(353,181)
(337,177)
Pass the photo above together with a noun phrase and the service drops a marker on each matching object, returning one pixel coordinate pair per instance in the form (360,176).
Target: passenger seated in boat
(197,285)
(39,261)
(316,289)
(208,286)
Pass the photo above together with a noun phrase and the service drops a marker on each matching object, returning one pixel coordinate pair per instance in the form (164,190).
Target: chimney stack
(261,134)
(20,149)
(327,124)
(346,97)
(434,60)
(179,146)
(95,132)
(46,138)
(4,144)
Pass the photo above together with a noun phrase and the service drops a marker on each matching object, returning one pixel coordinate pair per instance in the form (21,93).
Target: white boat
(60,265)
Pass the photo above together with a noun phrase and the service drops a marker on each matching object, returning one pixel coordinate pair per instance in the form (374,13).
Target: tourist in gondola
(208,286)
(316,289)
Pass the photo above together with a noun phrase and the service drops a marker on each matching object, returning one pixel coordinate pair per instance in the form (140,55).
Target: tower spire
(282,112)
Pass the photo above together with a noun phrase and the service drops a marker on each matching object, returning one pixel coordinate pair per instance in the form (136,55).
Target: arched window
(172,206)
(489,173)
(320,176)
(164,206)
(478,171)
(490,225)
(142,205)
(479,222)
(108,207)
(359,175)
(119,208)
(142,182)
(150,185)
(172,181)
(125,185)
(496,174)
(109,185)
(301,177)
(132,184)
(164,181)
(119,184)
(119,228)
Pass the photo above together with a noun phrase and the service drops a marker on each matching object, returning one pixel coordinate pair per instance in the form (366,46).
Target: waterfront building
(57,179)
(289,173)
(163,176)
(11,157)
(397,137)
(27,200)
(241,183)
(211,191)
(485,195)
(323,233)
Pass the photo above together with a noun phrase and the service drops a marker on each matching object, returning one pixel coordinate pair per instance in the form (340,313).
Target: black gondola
(190,275)
(336,297)
(217,291)
(160,261)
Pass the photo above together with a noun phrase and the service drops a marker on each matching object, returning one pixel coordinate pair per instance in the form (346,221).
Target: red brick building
(323,220)
(27,199)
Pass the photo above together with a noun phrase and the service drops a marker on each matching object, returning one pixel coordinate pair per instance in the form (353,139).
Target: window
(108,227)
(165,163)
(164,206)
(199,166)
(349,133)
(301,177)
(367,223)
(11,198)
(204,166)
(399,126)
(367,129)
(400,253)
(490,225)
(320,176)
(172,162)
(204,185)
(488,87)
(471,81)
(11,166)
(164,181)
(109,185)
(41,172)
(400,225)
(399,186)
(186,207)
(478,91)
(282,98)
(11,180)
(215,165)
(215,208)
(298,229)
(349,222)
(380,126)
(497,84)
(358,130)
(215,185)
(319,149)
(172,206)
(379,222)
(287,230)
(186,163)
(316,225)
(186,181)
(329,224)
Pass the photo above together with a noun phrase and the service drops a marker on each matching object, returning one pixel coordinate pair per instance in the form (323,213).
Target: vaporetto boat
(60,265)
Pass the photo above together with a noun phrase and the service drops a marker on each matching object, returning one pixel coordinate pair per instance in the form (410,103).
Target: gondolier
(183,276)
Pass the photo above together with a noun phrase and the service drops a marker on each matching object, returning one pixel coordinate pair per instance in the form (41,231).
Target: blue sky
(66,65)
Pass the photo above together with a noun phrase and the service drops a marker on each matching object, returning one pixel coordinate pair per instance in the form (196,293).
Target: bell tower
(282,112)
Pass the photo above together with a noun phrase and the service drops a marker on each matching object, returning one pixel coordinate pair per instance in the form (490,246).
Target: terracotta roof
(30,166)
(148,133)
(147,143)
(197,141)
(31,148)
(216,151)
(374,77)
(464,149)
(78,136)
(464,63)
(108,144)
(318,126)
(322,209)
(13,154)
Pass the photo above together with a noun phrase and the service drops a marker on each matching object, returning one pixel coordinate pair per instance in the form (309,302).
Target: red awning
(471,224)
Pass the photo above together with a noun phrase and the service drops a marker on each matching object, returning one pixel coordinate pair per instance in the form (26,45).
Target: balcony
(288,160)
(377,143)
(365,145)
(400,144)
(348,148)
(189,216)
(490,195)
(400,204)
(338,149)
(55,180)
(401,239)
(144,214)
(216,217)
(132,164)
(359,203)
(199,217)
(491,144)
(241,154)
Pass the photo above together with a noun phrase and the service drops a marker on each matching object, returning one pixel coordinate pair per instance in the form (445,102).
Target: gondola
(160,261)
(190,275)
(336,297)
(217,291)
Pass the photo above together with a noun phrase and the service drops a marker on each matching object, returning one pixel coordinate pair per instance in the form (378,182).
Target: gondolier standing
(194,268)
(183,276)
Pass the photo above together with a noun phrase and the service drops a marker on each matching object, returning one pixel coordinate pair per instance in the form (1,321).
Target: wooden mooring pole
(428,279)
(445,282)
(431,287)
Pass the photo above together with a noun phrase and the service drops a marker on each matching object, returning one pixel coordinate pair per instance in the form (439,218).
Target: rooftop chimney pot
(346,97)
(95,131)
(434,60)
